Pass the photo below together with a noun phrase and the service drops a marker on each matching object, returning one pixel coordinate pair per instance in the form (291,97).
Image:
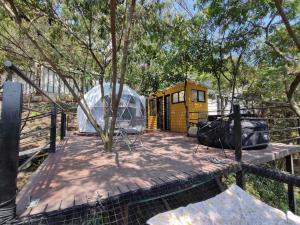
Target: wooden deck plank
(81,170)
(67,202)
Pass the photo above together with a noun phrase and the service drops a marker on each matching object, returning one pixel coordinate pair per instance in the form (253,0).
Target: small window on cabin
(181,96)
(175,97)
(201,96)
(178,97)
(198,96)
(194,95)
(152,107)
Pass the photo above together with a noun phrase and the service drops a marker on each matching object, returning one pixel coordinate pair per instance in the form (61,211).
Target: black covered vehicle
(219,133)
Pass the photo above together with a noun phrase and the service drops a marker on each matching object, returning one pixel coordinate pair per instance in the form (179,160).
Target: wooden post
(53,130)
(63,125)
(291,197)
(9,148)
(237,133)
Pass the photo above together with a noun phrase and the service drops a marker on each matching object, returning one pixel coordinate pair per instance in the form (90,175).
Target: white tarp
(131,106)
(232,207)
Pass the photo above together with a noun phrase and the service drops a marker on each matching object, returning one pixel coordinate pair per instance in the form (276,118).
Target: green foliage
(34,114)
(271,192)
(223,42)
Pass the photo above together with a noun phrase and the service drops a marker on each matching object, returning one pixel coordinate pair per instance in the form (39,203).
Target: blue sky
(188,4)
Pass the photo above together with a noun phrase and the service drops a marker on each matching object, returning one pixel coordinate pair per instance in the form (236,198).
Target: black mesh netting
(131,208)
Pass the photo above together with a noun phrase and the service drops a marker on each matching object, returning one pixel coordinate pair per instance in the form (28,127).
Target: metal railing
(42,138)
(285,136)
(283,126)
(45,136)
(11,138)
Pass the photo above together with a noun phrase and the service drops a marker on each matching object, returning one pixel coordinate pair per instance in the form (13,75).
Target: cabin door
(167,112)
(160,117)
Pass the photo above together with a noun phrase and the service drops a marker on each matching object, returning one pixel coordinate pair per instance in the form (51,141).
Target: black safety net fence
(134,207)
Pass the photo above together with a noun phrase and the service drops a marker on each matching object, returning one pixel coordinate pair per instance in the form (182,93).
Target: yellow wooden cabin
(166,108)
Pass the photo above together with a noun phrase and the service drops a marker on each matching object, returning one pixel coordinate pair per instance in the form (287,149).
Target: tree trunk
(106,110)
(293,86)
(114,105)
(220,93)
(291,32)
(290,92)
(233,90)
(116,97)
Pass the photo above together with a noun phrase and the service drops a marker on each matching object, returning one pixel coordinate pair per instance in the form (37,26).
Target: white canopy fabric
(131,106)
(232,207)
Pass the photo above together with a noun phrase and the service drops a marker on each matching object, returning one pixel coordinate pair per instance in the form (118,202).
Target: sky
(184,6)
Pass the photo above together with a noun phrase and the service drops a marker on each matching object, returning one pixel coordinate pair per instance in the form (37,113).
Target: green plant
(270,192)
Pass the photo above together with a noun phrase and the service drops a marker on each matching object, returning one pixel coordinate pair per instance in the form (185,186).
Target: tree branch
(278,4)
(277,50)
(293,86)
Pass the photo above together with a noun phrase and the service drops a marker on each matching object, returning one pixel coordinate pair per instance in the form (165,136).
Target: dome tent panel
(123,102)
(141,108)
(126,115)
(131,106)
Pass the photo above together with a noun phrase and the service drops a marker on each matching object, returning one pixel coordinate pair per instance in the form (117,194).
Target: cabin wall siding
(177,110)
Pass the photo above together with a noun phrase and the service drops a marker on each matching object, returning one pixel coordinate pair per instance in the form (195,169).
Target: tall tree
(228,36)
(279,24)
(72,34)
(292,66)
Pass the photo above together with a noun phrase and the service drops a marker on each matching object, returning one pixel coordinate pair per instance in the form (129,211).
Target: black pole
(298,140)
(9,148)
(63,125)
(237,133)
(291,197)
(53,130)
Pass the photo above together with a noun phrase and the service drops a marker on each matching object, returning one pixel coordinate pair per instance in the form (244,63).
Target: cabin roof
(177,84)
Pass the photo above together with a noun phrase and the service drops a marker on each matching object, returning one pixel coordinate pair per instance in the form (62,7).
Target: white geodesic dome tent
(131,106)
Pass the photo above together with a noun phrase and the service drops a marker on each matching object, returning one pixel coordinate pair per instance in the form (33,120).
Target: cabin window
(152,107)
(175,97)
(181,96)
(198,96)
(194,95)
(178,97)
